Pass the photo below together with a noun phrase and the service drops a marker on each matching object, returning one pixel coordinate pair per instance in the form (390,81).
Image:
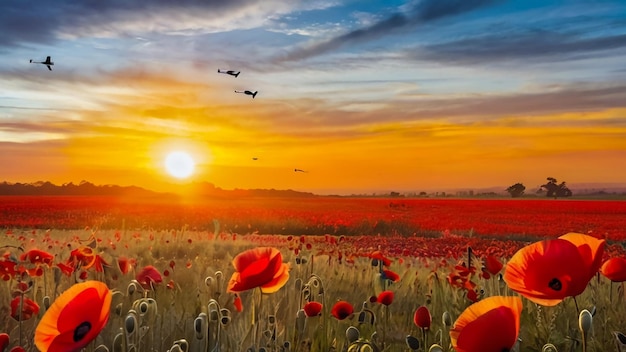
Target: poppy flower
(148,277)
(29,308)
(491,325)
(4,341)
(237,303)
(378,255)
(385,298)
(125,264)
(36,256)
(492,265)
(614,269)
(82,257)
(390,275)
(422,318)
(259,267)
(7,269)
(313,309)
(341,310)
(591,250)
(75,318)
(546,272)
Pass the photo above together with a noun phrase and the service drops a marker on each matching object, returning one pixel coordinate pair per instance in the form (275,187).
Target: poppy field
(323,274)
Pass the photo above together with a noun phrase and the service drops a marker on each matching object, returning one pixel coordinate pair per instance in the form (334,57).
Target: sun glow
(179,164)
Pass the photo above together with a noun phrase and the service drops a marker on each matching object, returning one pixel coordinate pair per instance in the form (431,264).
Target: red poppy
(65,269)
(614,269)
(125,264)
(379,256)
(259,267)
(148,277)
(29,308)
(99,263)
(341,310)
(4,341)
(390,275)
(422,318)
(82,257)
(548,271)
(237,303)
(385,297)
(7,269)
(36,256)
(313,309)
(491,325)
(492,265)
(75,318)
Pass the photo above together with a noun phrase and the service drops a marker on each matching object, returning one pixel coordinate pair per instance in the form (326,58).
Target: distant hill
(84,188)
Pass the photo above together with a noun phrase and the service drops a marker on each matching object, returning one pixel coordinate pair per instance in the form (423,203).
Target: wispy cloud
(421,13)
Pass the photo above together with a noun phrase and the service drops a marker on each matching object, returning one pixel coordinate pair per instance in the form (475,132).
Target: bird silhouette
(255,158)
(229,72)
(248,92)
(298,170)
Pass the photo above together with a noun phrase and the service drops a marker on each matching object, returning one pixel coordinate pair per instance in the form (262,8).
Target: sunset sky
(366,96)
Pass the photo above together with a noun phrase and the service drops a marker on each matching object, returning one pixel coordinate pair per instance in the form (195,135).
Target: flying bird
(255,158)
(48,63)
(298,170)
(229,72)
(247,92)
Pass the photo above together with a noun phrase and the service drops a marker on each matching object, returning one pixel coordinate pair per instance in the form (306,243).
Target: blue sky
(367,95)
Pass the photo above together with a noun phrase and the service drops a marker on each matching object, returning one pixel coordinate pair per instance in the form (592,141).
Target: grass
(202,269)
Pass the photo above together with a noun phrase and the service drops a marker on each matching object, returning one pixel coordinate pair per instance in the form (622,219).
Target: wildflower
(4,341)
(614,269)
(422,318)
(148,277)
(342,310)
(125,264)
(28,307)
(378,256)
(75,318)
(313,309)
(385,298)
(491,325)
(390,275)
(36,256)
(492,265)
(259,267)
(548,271)
(82,257)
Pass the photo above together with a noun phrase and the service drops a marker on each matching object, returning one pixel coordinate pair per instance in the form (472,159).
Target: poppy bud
(585,321)
(352,334)
(412,342)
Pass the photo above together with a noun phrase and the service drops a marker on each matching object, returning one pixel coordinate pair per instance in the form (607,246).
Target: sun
(179,164)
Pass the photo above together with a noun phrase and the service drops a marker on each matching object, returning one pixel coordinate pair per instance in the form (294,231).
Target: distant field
(492,218)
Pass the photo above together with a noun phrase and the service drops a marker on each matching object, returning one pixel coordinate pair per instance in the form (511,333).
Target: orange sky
(358,116)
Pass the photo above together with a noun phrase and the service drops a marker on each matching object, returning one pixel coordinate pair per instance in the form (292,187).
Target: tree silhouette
(516,190)
(556,190)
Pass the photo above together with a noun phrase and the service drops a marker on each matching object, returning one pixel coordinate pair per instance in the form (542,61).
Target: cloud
(521,46)
(42,22)
(423,12)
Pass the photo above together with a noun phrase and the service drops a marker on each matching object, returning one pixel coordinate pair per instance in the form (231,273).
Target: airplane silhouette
(229,72)
(248,92)
(48,62)
(298,170)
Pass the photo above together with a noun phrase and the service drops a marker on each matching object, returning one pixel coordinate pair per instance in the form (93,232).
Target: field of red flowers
(310,274)
(493,218)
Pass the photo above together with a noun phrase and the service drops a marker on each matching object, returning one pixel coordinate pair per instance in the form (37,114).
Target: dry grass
(271,321)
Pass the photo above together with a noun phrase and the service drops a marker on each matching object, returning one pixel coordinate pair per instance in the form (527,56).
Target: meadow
(370,263)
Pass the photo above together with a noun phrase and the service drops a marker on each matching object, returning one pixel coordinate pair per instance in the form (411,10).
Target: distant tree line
(552,188)
(46,188)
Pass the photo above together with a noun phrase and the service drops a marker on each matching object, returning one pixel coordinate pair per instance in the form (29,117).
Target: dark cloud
(521,46)
(425,11)
(41,22)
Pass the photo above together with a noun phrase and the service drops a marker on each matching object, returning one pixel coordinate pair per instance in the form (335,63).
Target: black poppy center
(81,330)
(555,284)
